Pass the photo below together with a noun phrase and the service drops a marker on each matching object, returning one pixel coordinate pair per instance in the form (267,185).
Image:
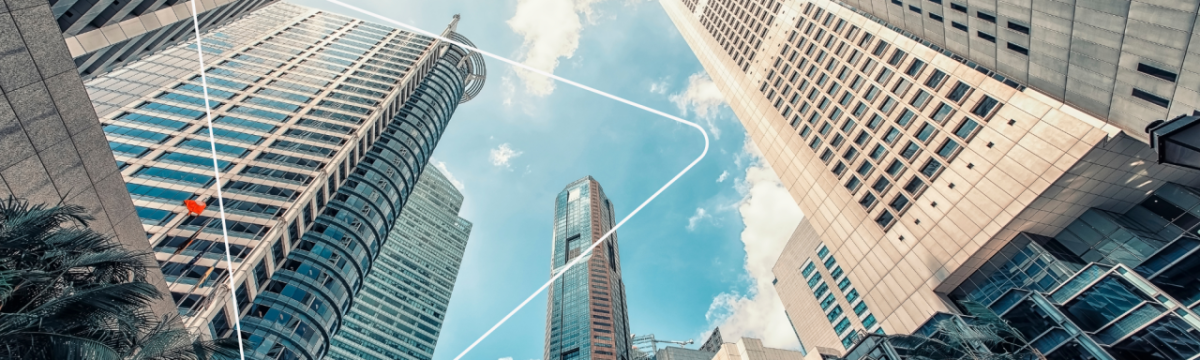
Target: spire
(453,24)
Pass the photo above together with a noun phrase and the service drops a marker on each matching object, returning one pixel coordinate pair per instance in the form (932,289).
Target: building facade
(323,125)
(1128,62)
(398,314)
(753,349)
(678,353)
(586,317)
(104,35)
(913,164)
(53,150)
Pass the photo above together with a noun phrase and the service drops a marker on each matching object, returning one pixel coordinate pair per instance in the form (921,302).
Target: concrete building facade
(323,124)
(53,149)
(397,314)
(586,315)
(913,164)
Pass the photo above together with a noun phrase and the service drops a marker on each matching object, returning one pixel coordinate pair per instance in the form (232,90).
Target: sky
(697,257)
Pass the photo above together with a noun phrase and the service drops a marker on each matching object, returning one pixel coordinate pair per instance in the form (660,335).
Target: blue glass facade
(1109,286)
(586,317)
(305,301)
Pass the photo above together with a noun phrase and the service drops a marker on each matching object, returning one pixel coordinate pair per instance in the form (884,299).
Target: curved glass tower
(304,304)
(586,317)
(322,124)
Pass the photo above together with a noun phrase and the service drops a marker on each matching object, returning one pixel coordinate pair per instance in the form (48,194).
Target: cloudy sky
(698,257)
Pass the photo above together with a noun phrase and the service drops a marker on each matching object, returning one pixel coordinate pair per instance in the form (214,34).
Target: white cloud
(770,215)
(724,175)
(506,358)
(441,166)
(507,89)
(700,214)
(503,154)
(551,30)
(659,87)
(702,98)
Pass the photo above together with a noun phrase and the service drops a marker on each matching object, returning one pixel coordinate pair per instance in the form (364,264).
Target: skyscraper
(586,317)
(913,162)
(103,35)
(323,124)
(398,314)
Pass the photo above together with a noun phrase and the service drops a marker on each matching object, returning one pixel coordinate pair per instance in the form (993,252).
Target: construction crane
(645,347)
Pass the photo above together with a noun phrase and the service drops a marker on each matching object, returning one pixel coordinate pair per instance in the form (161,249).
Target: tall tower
(915,163)
(586,317)
(398,314)
(323,124)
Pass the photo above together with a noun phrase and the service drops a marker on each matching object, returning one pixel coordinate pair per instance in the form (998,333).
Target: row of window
(828,300)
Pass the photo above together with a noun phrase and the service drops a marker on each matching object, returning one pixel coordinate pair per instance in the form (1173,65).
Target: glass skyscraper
(398,313)
(918,148)
(586,317)
(323,125)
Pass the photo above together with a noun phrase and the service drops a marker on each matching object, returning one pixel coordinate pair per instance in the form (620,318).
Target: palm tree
(68,292)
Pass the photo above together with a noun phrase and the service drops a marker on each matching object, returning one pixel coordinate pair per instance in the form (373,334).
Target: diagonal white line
(237,320)
(581,86)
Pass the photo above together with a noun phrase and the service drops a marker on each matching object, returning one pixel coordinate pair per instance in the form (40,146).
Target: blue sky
(685,257)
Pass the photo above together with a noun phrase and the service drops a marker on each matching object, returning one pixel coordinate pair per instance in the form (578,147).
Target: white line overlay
(578,85)
(237,320)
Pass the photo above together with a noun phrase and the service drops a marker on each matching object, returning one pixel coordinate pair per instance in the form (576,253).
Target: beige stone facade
(911,165)
(753,349)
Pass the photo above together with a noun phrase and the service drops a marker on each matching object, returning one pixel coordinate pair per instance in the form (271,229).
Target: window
(897,2)
(277,175)
(1157,72)
(910,150)
(135,134)
(885,218)
(985,106)
(876,120)
(152,193)
(967,128)
(919,100)
(153,217)
(862,138)
(260,113)
(825,156)
(850,153)
(959,8)
(887,105)
(896,58)
(261,190)
(935,79)
(881,185)
(878,152)
(960,90)
(959,26)
(914,185)
(925,132)
(243,123)
(867,200)
(985,36)
(899,203)
(891,135)
(188,99)
(986,17)
(1154,99)
(931,168)
(193,161)
(895,168)
(905,118)
(839,168)
(127,150)
(914,9)
(1018,27)
(852,185)
(1018,48)
(865,168)
(936,17)
(948,148)
(174,176)
(829,300)
(232,135)
(915,68)
(206,146)
(153,121)
(173,110)
(287,160)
